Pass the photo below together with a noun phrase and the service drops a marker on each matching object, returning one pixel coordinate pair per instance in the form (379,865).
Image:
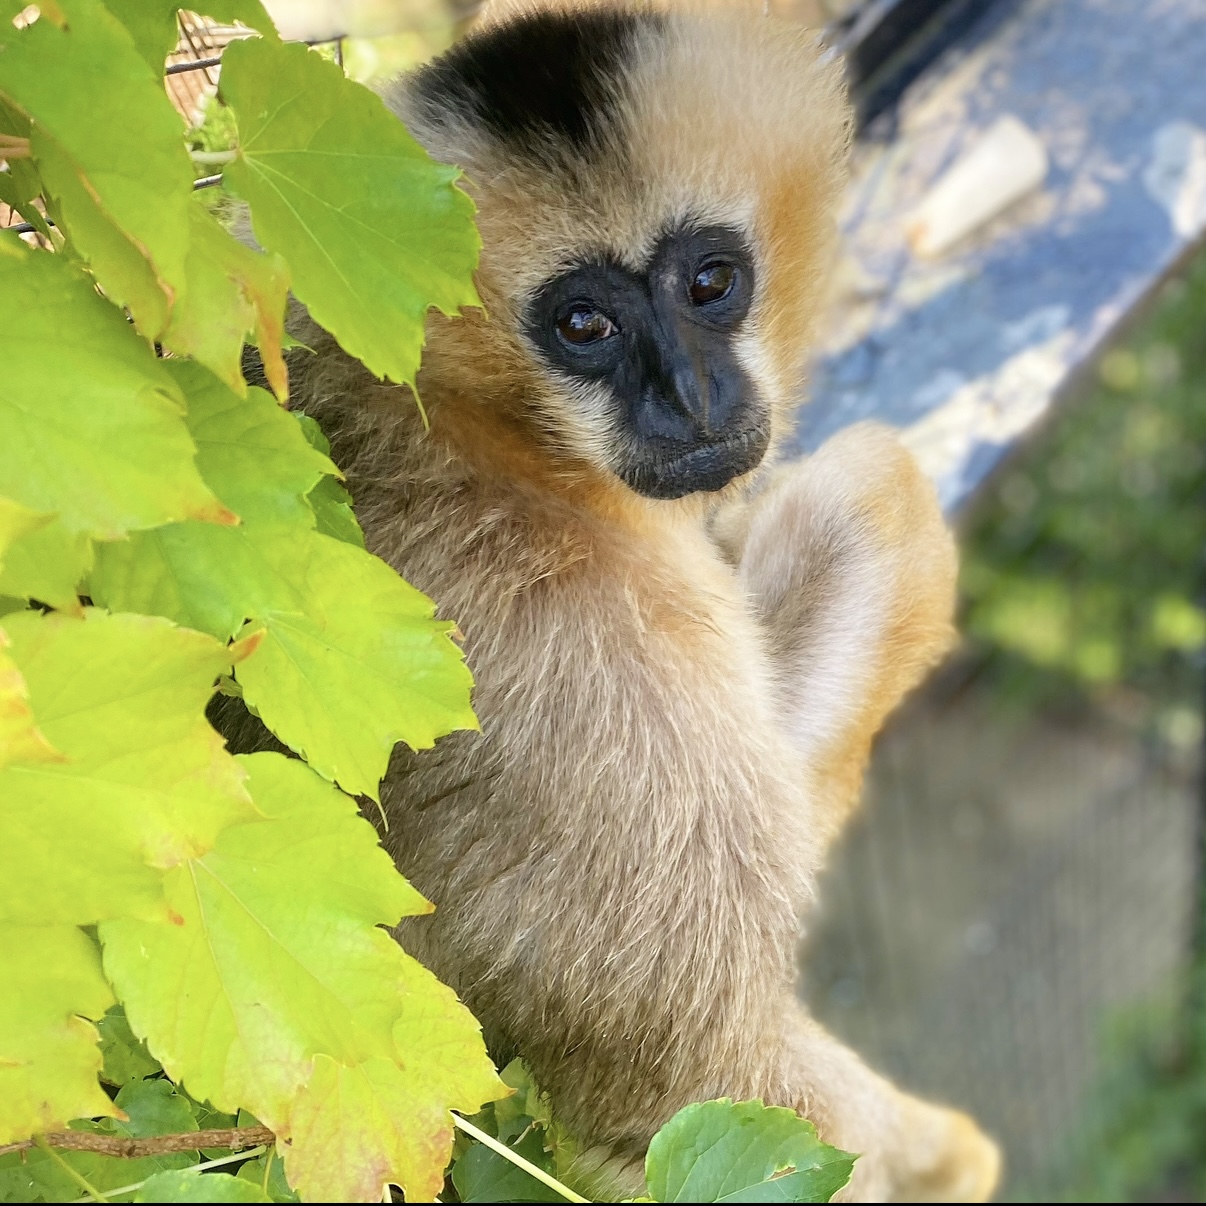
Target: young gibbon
(680,661)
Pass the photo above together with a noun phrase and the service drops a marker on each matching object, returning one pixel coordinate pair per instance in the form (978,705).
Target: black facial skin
(662,341)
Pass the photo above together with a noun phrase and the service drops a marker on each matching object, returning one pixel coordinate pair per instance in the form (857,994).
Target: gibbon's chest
(697,605)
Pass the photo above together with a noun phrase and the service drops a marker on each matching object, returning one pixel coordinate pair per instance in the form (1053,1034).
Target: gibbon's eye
(712,283)
(583,324)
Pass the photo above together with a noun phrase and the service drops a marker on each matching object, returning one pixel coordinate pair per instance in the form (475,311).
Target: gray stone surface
(968,352)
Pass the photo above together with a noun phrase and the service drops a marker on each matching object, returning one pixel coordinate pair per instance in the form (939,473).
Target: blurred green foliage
(1085,562)
(1083,584)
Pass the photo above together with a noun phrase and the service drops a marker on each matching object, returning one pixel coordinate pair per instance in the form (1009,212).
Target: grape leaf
(329,500)
(139,185)
(231,291)
(482,1175)
(20,738)
(192,1186)
(257,460)
(107,251)
(144,782)
(48,1053)
(279,942)
(152,23)
(725,1151)
(16,521)
(91,424)
(38,558)
(333,514)
(48,564)
(356,1128)
(251,452)
(154,1107)
(351,660)
(125,1057)
(269,1163)
(373,230)
(363,667)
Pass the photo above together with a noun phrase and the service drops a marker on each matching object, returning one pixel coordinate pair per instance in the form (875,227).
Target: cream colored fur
(676,698)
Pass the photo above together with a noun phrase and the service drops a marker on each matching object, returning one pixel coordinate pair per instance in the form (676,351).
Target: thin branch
(508,1154)
(235,1137)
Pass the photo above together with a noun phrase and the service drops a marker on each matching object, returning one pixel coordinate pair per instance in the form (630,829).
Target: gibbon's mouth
(704,469)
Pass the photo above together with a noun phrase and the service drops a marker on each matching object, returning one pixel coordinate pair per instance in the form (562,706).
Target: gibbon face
(654,193)
(654,350)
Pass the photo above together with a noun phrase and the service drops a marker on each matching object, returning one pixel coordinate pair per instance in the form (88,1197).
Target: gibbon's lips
(704,469)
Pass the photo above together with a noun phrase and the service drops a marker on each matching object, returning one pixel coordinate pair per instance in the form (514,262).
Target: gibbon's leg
(852,571)
(909,1150)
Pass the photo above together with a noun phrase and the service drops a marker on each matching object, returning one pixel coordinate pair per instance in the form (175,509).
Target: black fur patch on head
(548,77)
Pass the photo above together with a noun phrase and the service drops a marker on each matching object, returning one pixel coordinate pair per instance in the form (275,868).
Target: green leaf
(91,424)
(152,23)
(231,291)
(99,244)
(329,500)
(332,506)
(20,738)
(482,1175)
(725,1151)
(351,660)
(144,782)
(154,1107)
(250,451)
(48,1053)
(365,666)
(16,521)
(125,1056)
(809,1185)
(374,232)
(269,1162)
(21,741)
(137,187)
(192,1186)
(48,564)
(300,1007)
(209,577)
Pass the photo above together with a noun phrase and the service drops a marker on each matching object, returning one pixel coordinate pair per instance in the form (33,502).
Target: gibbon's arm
(852,570)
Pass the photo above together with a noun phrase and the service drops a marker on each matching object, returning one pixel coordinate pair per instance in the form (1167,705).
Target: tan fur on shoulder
(675,703)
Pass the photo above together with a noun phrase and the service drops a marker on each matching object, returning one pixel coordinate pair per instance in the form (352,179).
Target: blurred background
(1014,922)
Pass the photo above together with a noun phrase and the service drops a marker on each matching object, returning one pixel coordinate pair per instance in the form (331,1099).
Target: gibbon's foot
(945,1157)
(908,1150)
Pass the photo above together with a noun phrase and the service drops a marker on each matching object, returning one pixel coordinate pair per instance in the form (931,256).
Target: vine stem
(155,1145)
(515,1158)
(77,1176)
(202,1167)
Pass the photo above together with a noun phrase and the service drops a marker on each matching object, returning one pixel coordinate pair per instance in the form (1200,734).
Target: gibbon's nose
(683,387)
